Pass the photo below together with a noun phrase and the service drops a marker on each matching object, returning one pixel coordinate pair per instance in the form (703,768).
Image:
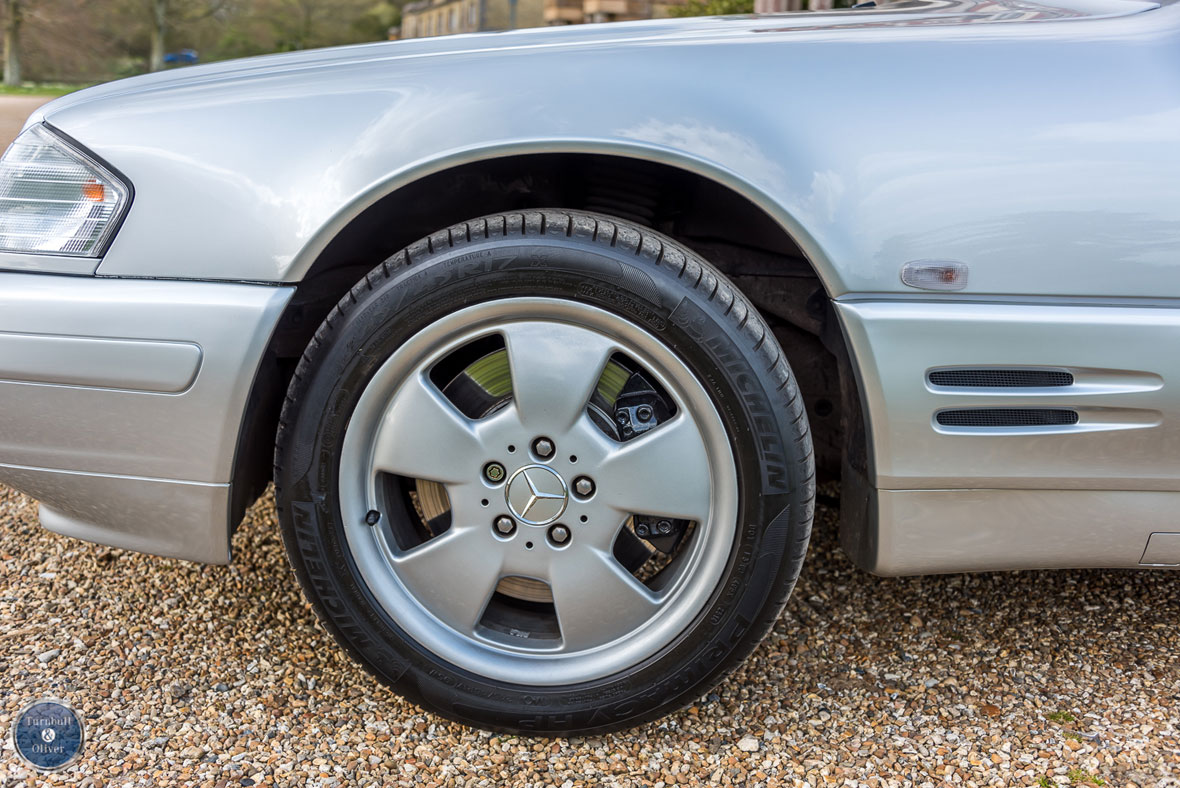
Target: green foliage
(1045,782)
(712,8)
(38,89)
(238,42)
(1060,716)
(1082,776)
(374,23)
(86,41)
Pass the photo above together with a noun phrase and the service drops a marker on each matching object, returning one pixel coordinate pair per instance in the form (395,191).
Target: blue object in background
(185,57)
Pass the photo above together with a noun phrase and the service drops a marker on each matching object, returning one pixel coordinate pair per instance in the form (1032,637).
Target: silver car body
(1037,144)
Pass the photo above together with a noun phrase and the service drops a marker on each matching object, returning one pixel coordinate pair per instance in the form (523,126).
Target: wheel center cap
(536,495)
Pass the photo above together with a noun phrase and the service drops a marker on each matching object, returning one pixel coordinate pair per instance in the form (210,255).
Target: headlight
(55,199)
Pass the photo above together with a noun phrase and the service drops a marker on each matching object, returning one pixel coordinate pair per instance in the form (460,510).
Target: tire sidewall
(686,318)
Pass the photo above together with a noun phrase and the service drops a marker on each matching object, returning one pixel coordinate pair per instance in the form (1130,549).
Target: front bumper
(121,402)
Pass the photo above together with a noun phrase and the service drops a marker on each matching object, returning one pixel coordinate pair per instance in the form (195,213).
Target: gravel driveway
(220,676)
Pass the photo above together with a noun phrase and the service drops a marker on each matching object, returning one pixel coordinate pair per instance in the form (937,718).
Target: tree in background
(256,27)
(85,41)
(159,10)
(712,8)
(59,40)
(13,17)
(374,24)
(286,25)
(165,15)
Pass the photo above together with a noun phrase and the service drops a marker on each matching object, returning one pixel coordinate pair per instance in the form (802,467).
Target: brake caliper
(639,407)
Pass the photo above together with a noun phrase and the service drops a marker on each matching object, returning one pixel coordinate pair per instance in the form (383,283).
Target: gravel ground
(220,676)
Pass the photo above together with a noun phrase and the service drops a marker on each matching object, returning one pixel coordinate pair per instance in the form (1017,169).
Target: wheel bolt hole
(511,449)
(584,518)
(528,545)
(484,502)
(573,458)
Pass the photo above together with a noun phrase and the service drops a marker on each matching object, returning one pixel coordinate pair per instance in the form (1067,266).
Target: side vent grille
(1001,378)
(1007,417)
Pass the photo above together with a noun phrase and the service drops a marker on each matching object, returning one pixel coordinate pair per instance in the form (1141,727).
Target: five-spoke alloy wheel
(545,472)
(448,591)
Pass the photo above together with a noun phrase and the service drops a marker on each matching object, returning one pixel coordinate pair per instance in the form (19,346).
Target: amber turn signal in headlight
(55,199)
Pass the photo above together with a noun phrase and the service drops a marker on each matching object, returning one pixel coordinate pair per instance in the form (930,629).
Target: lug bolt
(664,527)
(543,447)
(559,534)
(644,413)
(504,525)
(373,517)
(583,486)
(494,472)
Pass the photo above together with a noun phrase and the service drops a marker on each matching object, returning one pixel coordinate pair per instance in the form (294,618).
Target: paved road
(13,111)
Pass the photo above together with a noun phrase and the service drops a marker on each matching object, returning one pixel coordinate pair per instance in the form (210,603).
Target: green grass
(1045,782)
(1060,716)
(39,89)
(1081,776)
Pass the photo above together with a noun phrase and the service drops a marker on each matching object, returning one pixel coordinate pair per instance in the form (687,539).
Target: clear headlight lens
(56,200)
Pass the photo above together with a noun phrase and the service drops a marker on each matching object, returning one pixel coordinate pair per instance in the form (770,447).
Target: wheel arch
(318,250)
(753,240)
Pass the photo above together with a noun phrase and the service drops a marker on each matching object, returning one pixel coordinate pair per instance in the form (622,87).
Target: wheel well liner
(768,264)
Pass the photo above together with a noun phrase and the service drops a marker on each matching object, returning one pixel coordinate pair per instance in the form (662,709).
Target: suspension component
(661,533)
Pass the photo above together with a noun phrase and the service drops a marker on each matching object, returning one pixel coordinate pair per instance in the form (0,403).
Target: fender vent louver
(996,377)
(1007,417)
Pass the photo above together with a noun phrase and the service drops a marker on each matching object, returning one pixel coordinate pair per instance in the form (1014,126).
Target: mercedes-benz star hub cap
(536,495)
